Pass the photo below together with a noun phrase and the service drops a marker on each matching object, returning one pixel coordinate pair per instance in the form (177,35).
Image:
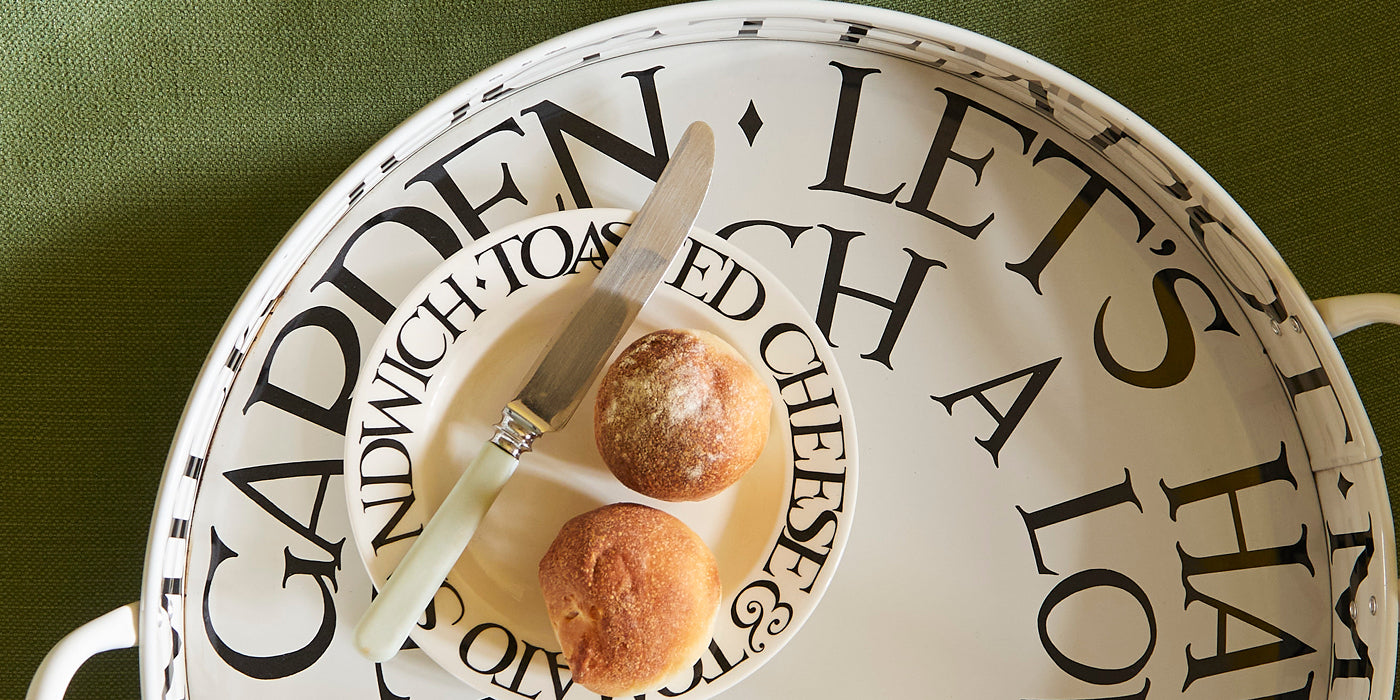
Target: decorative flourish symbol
(1343,484)
(749,611)
(1167,248)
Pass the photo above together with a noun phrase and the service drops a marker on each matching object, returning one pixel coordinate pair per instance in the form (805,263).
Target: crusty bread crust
(632,593)
(680,415)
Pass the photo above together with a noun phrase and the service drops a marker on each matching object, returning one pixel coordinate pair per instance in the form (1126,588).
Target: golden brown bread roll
(631,593)
(680,415)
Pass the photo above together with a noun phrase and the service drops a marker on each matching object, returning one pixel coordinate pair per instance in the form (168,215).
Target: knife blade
(555,386)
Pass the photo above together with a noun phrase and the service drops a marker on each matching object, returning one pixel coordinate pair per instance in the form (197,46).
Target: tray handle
(115,630)
(1348,313)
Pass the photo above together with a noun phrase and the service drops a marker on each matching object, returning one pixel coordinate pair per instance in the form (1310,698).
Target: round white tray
(1108,447)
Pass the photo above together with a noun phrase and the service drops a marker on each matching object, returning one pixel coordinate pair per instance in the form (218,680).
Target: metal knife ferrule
(515,433)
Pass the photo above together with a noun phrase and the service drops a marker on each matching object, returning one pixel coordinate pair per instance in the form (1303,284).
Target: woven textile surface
(153,152)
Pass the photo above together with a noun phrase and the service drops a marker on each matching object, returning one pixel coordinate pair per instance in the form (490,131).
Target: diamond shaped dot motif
(750,123)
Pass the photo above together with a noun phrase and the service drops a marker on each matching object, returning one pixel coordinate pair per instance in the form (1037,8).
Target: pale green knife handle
(392,615)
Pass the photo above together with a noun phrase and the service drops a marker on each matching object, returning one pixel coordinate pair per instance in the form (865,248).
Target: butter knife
(556,385)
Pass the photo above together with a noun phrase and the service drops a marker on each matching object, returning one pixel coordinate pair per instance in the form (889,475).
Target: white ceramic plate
(1108,447)
(415,423)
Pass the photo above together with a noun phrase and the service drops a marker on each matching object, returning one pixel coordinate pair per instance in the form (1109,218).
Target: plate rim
(774,289)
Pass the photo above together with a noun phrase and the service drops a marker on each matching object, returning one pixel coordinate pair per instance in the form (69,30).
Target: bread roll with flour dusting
(681,415)
(631,594)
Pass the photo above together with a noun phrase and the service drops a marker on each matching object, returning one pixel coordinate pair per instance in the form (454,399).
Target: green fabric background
(152,153)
